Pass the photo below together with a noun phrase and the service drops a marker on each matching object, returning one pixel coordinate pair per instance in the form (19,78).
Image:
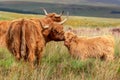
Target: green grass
(6,59)
(56,63)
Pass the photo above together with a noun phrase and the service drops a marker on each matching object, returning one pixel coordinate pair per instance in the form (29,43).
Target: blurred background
(92,8)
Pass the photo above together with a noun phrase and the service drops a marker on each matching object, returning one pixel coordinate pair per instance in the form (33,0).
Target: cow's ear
(44,25)
(46,31)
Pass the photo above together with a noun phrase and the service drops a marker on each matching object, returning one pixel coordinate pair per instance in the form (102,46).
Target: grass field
(74,21)
(56,63)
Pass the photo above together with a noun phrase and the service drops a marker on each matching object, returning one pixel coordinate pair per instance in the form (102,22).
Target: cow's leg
(16,54)
(15,50)
(13,43)
(39,51)
(31,58)
(31,54)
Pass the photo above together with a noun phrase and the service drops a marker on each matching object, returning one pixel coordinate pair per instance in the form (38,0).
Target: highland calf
(87,47)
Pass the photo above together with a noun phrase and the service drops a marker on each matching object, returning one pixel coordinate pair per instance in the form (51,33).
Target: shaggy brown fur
(85,47)
(27,38)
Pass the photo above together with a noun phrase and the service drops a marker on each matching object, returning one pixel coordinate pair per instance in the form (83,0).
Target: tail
(23,41)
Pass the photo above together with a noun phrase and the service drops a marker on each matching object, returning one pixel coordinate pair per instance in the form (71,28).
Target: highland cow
(26,38)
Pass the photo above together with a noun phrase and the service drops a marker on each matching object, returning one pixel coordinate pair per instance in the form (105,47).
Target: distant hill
(73,9)
(79,2)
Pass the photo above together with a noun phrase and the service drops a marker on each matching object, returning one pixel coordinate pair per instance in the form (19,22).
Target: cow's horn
(45,11)
(60,14)
(64,19)
(62,22)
